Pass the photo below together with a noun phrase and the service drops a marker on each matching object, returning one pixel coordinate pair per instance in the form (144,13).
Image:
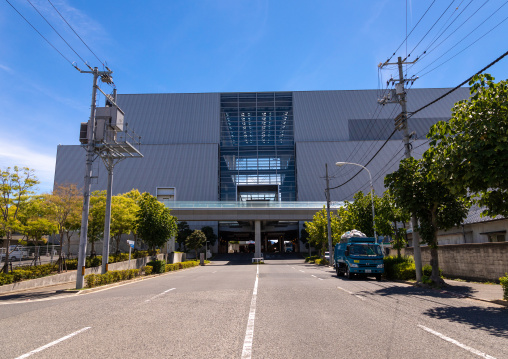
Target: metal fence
(30,255)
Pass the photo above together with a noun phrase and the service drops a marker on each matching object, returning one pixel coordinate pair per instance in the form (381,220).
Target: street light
(340,164)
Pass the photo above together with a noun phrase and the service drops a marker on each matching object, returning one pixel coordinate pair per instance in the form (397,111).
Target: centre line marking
(158,295)
(52,343)
(453,341)
(249,333)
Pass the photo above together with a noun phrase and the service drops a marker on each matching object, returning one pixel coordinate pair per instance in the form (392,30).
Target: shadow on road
(410,290)
(246,258)
(492,320)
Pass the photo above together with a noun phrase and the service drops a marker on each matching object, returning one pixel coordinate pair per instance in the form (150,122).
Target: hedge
(504,284)
(94,280)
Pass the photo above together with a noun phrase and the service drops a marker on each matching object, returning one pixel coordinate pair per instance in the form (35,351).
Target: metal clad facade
(190,168)
(311,158)
(173,118)
(180,136)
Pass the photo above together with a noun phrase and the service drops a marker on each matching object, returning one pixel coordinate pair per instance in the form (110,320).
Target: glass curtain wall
(257,150)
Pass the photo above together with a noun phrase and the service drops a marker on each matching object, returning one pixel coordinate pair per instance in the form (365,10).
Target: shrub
(504,284)
(311,259)
(148,269)
(158,266)
(399,268)
(321,262)
(93,280)
(427,271)
(6,278)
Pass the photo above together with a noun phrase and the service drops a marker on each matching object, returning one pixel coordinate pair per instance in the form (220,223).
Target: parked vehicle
(15,253)
(357,254)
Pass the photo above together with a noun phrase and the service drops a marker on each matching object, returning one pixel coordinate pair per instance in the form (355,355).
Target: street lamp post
(340,164)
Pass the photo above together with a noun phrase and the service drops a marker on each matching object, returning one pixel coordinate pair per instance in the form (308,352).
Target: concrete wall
(70,276)
(475,261)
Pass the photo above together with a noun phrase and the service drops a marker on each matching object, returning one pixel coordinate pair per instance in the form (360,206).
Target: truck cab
(360,256)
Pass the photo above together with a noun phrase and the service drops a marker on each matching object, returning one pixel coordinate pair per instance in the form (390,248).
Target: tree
(65,205)
(35,220)
(389,217)
(15,187)
(123,217)
(416,190)
(471,150)
(318,230)
(211,237)
(154,223)
(183,232)
(96,218)
(196,240)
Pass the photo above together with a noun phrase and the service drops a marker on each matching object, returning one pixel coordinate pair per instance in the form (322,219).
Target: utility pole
(329,227)
(107,138)
(401,124)
(90,151)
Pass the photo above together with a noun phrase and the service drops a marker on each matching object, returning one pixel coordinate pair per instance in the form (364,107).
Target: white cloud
(14,153)
(6,68)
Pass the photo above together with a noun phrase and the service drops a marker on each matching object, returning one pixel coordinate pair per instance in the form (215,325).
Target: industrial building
(259,150)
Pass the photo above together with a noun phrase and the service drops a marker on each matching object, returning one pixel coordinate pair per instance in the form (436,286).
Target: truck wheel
(378,277)
(349,275)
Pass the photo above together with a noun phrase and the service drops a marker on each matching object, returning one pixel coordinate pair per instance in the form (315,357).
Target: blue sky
(221,46)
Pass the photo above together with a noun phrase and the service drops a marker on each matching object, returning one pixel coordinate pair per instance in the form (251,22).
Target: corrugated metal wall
(311,158)
(173,118)
(191,168)
(326,115)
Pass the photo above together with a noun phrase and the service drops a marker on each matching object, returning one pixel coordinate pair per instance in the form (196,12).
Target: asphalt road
(282,309)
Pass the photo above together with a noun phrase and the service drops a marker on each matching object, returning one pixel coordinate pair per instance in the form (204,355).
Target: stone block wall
(473,261)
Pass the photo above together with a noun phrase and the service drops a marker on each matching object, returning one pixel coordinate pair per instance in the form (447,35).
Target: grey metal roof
(191,168)
(474,216)
(173,118)
(328,115)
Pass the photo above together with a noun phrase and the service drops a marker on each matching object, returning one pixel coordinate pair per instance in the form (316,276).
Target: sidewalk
(37,293)
(479,291)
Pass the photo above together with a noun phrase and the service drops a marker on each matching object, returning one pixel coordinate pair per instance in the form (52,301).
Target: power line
(429,30)
(464,49)
(461,40)
(76,33)
(59,34)
(411,31)
(33,27)
(456,87)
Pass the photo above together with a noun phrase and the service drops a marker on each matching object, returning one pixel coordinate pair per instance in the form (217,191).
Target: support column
(257,239)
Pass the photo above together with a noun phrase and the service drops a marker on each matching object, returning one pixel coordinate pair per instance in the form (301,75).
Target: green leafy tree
(154,223)
(211,237)
(35,220)
(389,217)
(196,240)
(65,205)
(123,217)
(471,150)
(183,231)
(416,191)
(16,186)
(96,218)
(318,230)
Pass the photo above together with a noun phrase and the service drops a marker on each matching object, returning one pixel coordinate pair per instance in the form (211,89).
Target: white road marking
(359,296)
(52,343)
(214,272)
(453,341)
(301,271)
(312,275)
(158,295)
(320,278)
(345,290)
(249,333)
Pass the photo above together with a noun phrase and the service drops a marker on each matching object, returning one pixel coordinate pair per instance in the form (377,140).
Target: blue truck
(361,256)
